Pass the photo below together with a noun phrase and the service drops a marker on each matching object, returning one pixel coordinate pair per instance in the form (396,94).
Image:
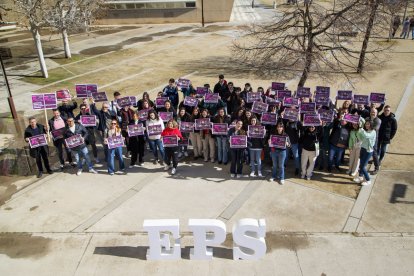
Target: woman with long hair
(195,137)
(237,154)
(171,152)
(368,136)
(154,138)
(183,116)
(278,154)
(209,145)
(114,131)
(255,146)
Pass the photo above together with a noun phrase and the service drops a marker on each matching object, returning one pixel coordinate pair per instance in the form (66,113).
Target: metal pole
(202,13)
(405,11)
(10,97)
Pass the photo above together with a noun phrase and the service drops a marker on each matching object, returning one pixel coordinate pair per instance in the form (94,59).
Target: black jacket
(339,134)
(102,116)
(222,90)
(308,139)
(52,127)
(293,130)
(79,129)
(66,111)
(29,132)
(387,129)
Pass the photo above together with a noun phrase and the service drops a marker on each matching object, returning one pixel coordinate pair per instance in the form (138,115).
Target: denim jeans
(336,152)
(382,149)
(111,154)
(278,160)
(84,152)
(363,162)
(295,151)
(154,144)
(222,149)
(255,155)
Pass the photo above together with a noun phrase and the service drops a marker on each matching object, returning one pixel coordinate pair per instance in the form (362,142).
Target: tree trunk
(373,12)
(66,43)
(308,63)
(38,44)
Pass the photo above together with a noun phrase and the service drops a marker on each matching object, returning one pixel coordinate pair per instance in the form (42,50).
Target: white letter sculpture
(248,237)
(202,239)
(159,243)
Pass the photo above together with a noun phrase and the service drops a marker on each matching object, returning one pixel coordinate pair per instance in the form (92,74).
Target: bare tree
(33,11)
(309,38)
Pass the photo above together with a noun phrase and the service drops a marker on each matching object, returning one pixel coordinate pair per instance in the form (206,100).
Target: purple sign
(133,100)
(190,101)
(159,102)
(58,133)
(203,123)
(211,98)
(354,119)
(322,100)
(99,97)
(256,131)
(183,83)
(115,142)
(88,120)
(165,116)
(154,130)
(85,90)
(259,107)
(135,130)
(311,120)
(238,141)
(38,102)
(50,100)
(361,99)
(325,90)
(344,95)
(281,94)
(170,141)
(291,114)
(291,102)
(186,126)
(124,101)
(278,141)
(63,95)
(303,92)
(37,141)
(326,115)
(219,129)
(201,91)
(74,141)
(143,114)
(377,97)
(278,85)
(307,107)
(252,97)
(269,119)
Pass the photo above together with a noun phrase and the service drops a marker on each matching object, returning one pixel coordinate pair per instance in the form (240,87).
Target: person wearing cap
(39,153)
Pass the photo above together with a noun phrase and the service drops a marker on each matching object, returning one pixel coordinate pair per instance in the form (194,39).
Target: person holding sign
(171,151)
(127,116)
(278,153)
(145,97)
(237,154)
(368,136)
(77,129)
(91,131)
(115,150)
(255,145)
(309,141)
(195,136)
(338,141)
(209,145)
(183,116)
(55,123)
(41,152)
(66,109)
(155,126)
(136,145)
(222,139)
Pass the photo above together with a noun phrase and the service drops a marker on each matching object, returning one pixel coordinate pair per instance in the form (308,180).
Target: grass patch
(62,60)
(54,75)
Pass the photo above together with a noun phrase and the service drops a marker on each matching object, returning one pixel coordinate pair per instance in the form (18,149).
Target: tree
(308,38)
(33,11)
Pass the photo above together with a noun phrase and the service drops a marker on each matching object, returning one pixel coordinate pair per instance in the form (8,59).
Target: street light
(202,13)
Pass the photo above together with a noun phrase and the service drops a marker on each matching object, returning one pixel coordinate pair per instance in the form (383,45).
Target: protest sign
(165,116)
(303,92)
(344,95)
(44,101)
(85,90)
(183,83)
(183,142)
(323,90)
(278,85)
(133,100)
(326,115)
(160,101)
(74,141)
(311,120)
(124,101)
(190,101)
(269,119)
(38,102)
(278,141)
(170,141)
(377,97)
(256,131)
(253,96)
(238,141)
(219,129)
(259,107)
(211,98)
(361,99)
(201,91)
(58,133)
(203,123)
(291,114)
(154,130)
(135,130)
(63,95)
(186,126)
(115,142)
(307,107)
(288,102)
(322,100)
(37,141)
(354,119)
(143,114)
(281,94)
(272,101)
(99,97)
(88,120)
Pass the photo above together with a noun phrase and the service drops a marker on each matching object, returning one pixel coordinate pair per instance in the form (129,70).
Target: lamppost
(10,97)
(202,13)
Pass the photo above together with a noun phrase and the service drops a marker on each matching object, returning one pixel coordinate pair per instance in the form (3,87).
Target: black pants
(375,156)
(171,153)
(60,145)
(41,153)
(137,146)
(92,141)
(237,158)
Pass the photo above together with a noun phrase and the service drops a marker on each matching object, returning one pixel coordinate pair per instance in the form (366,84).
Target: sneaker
(374,172)
(141,164)
(348,172)
(166,168)
(180,154)
(358,179)
(73,164)
(131,166)
(61,167)
(238,175)
(39,175)
(136,165)
(93,171)
(366,183)
(271,179)
(79,172)
(173,171)
(232,175)
(281,182)
(97,161)
(186,154)
(338,168)
(308,178)
(252,174)
(155,161)
(259,174)
(111,174)
(302,176)
(205,160)
(212,160)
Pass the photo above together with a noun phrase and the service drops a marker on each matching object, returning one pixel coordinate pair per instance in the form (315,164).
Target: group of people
(407,27)
(322,145)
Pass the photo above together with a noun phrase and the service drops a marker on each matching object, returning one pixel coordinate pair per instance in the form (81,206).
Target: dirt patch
(22,67)
(135,40)
(211,28)
(116,30)
(8,208)
(100,50)
(8,193)
(290,242)
(173,31)
(33,208)
(18,246)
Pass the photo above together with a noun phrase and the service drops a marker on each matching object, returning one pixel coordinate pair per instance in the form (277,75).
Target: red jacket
(171,132)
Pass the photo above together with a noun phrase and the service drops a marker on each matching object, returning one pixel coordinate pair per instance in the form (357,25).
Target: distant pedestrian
(406,28)
(411,28)
(395,24)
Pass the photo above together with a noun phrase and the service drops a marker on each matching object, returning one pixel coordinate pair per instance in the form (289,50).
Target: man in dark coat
(387,131)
